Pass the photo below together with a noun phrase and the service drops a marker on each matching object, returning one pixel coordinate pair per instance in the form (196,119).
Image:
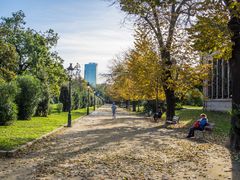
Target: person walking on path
(114,107)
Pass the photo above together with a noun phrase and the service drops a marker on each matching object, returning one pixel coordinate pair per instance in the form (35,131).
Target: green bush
(194,97)
(8,109)
(50,109)
(150,105)
(43,105)
(83,100)
(178,106)
(76,100)
(59,107)
(28,97)
(64,98)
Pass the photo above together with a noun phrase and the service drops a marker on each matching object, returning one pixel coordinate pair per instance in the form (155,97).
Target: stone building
(218,89)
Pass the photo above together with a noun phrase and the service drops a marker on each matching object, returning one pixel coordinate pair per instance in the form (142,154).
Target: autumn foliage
(137,74)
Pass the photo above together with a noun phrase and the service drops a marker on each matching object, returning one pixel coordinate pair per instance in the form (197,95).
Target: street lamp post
(94,100)
(88,88)
(70,70)
(97,96)
(70,73)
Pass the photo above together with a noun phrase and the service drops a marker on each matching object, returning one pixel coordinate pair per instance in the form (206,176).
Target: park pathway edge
(24,147)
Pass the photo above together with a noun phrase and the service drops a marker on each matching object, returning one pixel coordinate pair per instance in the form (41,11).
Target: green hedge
(28,97)
(8,109)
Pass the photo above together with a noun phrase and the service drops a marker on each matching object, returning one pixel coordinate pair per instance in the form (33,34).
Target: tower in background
(90,73)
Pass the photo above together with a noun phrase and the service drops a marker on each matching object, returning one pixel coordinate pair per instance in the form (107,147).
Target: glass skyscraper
(90,73)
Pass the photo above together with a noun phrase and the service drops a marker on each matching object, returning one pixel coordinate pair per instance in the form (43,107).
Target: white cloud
(89,30)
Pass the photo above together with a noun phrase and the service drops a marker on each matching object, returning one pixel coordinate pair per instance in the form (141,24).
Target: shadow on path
(101,147)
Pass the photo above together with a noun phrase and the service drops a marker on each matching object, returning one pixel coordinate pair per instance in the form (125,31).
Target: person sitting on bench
(198,125)
(157,115)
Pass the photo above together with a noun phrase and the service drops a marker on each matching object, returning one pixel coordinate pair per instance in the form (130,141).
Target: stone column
(228,80)
(212,79)
(223,78)
(217,80)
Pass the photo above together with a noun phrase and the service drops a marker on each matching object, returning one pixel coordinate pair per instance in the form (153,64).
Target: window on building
(214,80)
(209,89)
(219,79)
(230,82)
(225,80)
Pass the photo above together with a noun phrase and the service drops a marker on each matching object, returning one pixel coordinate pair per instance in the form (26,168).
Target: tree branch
(156,32)
(172,25)
(159,32)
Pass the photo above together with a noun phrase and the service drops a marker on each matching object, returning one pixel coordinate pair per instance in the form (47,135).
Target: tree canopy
(32,51)
(166,22)
(8,60)
(137,74)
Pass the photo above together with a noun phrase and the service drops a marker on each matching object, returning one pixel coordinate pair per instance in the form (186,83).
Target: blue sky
(89,30)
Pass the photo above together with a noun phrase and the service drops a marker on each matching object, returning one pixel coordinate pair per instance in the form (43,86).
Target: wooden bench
(175,120)
(157,117)
(149,115)
(208,128)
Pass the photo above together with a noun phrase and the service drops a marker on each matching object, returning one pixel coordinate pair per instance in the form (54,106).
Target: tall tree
(165,19)
(8,60)
(137,74)
(144,69)
(234,27)
(217,32)
(34,51)
(118,82)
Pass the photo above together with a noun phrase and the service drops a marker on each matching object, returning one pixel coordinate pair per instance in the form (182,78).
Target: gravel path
(129,147)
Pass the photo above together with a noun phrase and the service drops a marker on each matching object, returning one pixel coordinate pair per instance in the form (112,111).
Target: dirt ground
(128,147)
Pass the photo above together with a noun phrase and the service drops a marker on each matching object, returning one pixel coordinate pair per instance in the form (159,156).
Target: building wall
(218,89)
(218,105)
(90,73)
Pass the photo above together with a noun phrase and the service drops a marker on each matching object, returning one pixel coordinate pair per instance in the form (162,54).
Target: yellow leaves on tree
(136,76)
(211,34)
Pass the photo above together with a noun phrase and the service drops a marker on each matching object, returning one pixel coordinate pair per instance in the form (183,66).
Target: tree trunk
(127,104)
(157,109)
(134,106)
(167,86)
(234,26)
(170,98)
(138,108)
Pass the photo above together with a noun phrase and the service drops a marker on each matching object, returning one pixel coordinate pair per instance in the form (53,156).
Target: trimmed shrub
(178,106)
(76,100)
(149,105)
(64,98)
(59,107)
(43,105)
(83,100)
(194,97)
(50,109)
(28,97)
(8,109)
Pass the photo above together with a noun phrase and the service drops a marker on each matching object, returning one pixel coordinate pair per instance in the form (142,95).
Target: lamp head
(78,70)
(77,67)
(70,70)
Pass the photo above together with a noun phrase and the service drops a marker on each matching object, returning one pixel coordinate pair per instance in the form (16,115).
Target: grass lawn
(24,131)
(220,119)
(189,114)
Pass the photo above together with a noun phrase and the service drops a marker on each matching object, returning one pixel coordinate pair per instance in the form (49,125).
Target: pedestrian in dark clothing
(114,107)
